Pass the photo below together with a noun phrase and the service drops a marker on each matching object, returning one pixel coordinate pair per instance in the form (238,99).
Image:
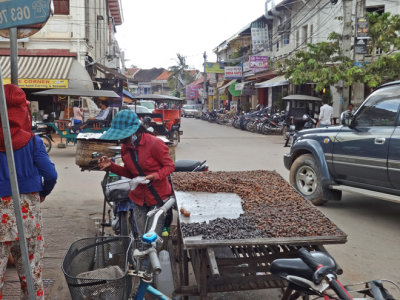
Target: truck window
(378,111)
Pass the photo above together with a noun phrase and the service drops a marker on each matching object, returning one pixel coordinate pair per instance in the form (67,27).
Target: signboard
(215,68)
(233,72)
(17,13)
(259,39)
(31,83)
(211,91)
(258,63)
(362,28)
(360,46)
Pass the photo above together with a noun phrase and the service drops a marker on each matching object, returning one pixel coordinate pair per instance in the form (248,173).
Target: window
(61,7)
(277,45)
(311,33)
(297,38)
(286,39)
(380,109)
(304,30)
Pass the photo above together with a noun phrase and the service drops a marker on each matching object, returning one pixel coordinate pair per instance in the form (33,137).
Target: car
(189,110)
(139,109)
(151,105)
(361,156)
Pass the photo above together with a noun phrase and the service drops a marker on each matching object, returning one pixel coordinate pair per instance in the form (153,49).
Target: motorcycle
(44,132)
(291,129)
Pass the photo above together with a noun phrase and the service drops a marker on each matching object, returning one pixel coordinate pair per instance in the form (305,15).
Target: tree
(325,64)
(180,75)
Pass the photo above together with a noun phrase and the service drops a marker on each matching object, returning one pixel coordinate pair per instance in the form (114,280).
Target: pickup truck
(362,155)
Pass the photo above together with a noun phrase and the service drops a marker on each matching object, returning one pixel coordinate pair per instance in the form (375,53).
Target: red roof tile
(164,75)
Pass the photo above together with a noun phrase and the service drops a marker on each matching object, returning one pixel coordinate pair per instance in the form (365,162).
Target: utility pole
(205,80)
(358,88)
(346,48)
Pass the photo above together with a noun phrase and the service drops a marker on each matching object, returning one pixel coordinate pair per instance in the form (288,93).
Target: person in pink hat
(37,177)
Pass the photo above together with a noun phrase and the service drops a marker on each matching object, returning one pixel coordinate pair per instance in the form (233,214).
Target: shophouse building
(75,49)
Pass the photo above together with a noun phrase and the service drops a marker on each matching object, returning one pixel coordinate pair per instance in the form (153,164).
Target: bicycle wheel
(47,143)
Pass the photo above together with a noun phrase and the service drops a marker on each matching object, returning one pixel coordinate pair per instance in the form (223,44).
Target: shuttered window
(61,7)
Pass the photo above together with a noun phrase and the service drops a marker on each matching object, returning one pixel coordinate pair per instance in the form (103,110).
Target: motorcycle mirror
(305,117)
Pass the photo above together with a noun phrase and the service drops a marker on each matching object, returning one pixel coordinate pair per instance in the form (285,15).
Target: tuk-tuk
(296,106)
(165,119)
(62,126)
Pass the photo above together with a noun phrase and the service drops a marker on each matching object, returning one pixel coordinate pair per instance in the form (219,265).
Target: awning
(39,71)
(239,86)
(276,81)
(222,88)
(301,98)
(106,70)
(77,93)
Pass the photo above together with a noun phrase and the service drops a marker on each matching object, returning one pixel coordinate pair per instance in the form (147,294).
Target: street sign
(360,46)
(17,13)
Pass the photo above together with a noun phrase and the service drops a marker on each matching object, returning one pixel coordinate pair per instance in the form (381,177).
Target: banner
(215,68)
(258,63)
(192,92)
(27,83)
(233,72)
(259,39)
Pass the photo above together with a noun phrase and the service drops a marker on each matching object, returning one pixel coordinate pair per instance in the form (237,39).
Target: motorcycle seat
(184,165)
(297,267)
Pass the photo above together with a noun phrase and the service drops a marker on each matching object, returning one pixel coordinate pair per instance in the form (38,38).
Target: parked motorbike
(315,273)
(44,132)
(291,127)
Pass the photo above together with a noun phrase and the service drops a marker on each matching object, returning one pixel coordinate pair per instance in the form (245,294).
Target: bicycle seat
(184,165)
(296,267)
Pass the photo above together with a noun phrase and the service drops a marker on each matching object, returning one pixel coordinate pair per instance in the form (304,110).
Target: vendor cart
(227,263)
(64,126)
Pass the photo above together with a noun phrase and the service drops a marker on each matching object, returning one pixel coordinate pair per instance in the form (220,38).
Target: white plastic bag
(138,180)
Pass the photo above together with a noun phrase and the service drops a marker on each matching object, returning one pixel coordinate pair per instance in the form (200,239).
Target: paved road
(372,225)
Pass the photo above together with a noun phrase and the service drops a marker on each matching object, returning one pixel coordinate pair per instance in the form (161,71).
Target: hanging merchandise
(233,91)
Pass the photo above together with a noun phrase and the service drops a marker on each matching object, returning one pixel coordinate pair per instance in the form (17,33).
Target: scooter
(44,132)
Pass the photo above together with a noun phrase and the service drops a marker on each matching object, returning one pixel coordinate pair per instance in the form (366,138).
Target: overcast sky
(154,31)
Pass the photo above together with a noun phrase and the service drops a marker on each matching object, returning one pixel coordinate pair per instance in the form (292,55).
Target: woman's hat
(124,124)
(19,117)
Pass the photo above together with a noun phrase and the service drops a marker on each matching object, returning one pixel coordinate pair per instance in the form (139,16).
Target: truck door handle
(379,141)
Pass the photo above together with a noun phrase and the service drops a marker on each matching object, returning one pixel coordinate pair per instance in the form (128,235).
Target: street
(372,225)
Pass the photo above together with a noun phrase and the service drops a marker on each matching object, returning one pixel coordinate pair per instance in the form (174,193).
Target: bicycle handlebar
(158,212)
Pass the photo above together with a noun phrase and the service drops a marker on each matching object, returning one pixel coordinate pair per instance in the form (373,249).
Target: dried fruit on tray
(272,208)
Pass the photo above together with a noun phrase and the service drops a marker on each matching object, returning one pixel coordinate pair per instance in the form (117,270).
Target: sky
(154,31)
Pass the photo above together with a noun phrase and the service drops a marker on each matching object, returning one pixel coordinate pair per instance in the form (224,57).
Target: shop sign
(362,28)
(233,72)
(215,67)
(258,63)
(29,83)
(360,46)
(211,91)
(18,13)
(259,38)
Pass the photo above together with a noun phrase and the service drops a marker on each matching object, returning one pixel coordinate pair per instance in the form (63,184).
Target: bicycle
(315,274)
(108,267)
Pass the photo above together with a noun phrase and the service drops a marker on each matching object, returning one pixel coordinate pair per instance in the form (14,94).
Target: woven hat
(19,117)
(124,124)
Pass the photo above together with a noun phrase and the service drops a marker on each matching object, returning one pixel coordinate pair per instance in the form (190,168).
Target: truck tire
(305,178)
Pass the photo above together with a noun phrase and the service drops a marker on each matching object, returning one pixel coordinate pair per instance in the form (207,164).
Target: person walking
(325,114)
(37,177)
(143,155)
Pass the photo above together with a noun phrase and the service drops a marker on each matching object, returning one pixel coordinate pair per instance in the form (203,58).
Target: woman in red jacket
(151,155)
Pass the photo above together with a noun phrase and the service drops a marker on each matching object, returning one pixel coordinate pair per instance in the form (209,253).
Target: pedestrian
(325,114)
(140,149)
(78,114)
(37,177)
(101,116)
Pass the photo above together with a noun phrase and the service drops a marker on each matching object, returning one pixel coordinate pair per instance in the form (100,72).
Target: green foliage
(325,64)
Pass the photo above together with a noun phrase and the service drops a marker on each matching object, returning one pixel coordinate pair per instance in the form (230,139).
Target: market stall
(232,225)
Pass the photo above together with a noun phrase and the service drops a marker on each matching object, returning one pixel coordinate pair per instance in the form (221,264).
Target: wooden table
(227,265)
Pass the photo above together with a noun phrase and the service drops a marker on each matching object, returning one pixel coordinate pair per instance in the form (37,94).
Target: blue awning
(127,94)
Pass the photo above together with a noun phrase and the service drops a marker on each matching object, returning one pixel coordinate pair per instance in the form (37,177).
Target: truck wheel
(305,178)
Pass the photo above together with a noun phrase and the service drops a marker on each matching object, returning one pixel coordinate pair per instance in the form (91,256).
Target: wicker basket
(85,148)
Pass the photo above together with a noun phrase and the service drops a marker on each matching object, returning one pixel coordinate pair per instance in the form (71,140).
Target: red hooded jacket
(153,158)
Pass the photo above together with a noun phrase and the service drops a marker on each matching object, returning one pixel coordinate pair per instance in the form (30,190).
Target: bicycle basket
(118,190)
(96,268)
